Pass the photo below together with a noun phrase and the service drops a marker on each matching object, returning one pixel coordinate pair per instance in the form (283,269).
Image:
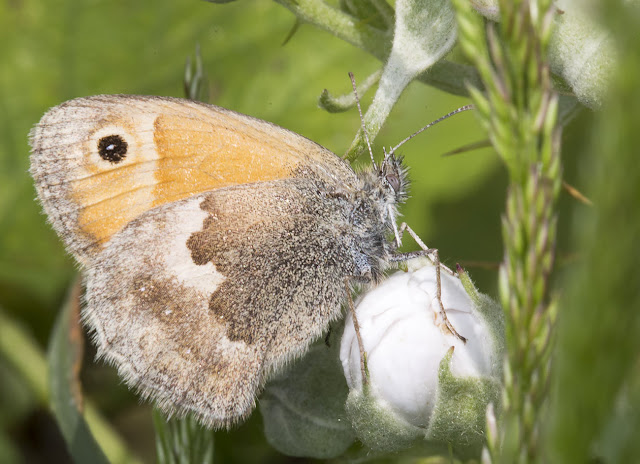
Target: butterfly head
(393,180)
(387,185)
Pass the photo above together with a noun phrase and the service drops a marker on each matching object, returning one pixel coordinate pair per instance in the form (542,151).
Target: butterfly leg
(432,255)
(364,371)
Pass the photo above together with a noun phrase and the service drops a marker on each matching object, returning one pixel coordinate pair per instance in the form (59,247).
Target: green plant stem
(28,359)
(519,110)
(182,440)
(445,75)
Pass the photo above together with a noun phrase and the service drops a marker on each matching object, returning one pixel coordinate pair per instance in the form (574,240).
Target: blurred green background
(60,49)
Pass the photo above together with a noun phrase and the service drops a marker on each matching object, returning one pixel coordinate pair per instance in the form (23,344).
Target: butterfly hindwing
(175,303)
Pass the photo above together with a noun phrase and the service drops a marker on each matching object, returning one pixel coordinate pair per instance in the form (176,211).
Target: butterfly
(215,246)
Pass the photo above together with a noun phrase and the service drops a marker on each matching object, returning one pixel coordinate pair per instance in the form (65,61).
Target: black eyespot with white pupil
(112,148)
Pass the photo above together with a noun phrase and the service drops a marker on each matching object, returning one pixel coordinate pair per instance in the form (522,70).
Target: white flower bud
(406,341)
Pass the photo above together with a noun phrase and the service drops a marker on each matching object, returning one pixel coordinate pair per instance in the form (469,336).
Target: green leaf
(583,52)
(303,408)
(460,413)
(378,427)
(347,101)
(64,357)
(424,32)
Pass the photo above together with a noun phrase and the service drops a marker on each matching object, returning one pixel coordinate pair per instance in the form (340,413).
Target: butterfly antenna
(364,129)
(459,110)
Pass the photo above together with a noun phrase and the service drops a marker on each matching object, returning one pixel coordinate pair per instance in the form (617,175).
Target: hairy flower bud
(421,378)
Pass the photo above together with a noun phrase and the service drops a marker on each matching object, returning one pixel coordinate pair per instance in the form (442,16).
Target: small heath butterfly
(216,247)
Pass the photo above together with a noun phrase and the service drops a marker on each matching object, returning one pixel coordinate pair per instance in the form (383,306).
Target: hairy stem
(445,75)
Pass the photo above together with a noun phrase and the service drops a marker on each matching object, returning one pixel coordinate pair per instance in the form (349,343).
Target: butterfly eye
(112,148)
(393,181)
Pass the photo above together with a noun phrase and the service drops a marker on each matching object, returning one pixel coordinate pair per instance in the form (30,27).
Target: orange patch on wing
(184,156)
(103,220)
(198,155)
(110,195)
(111,199)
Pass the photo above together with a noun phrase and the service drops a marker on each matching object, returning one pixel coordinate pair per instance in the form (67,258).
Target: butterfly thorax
(384,188)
